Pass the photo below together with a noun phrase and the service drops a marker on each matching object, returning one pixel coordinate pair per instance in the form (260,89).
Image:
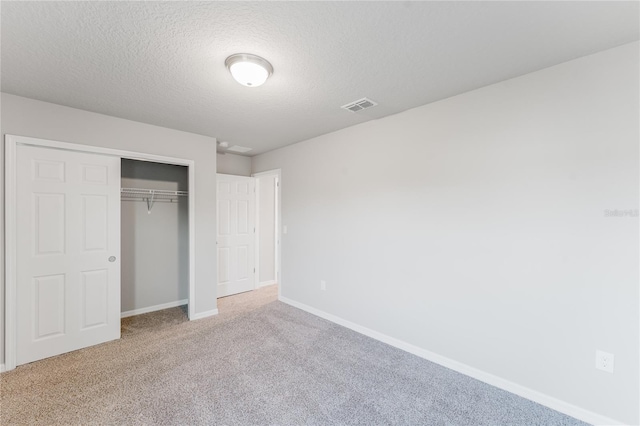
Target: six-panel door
(68,251)
(236,234)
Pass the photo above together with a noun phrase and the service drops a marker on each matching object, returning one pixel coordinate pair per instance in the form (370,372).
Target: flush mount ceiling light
(249,70)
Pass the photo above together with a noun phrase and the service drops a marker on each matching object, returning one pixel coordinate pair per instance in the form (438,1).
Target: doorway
(248,231)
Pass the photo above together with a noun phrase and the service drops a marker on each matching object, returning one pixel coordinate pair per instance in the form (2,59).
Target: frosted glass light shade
(249,70)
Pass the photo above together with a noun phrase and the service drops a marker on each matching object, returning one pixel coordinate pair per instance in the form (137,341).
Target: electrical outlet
(604,361)
(323,285)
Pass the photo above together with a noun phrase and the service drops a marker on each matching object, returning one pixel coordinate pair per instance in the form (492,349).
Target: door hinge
(254,270)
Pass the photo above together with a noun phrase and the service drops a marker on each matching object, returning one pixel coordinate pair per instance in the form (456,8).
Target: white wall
(267,237)
(155,246)
(27,117)
(474,228)
(231,164)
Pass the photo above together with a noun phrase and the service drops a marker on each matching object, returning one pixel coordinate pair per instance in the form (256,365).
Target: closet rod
(151,195)
(142,192)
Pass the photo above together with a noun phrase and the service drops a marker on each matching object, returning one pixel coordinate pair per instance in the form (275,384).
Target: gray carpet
(260,362)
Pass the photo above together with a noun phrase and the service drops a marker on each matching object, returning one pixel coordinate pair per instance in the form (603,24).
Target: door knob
(112,258)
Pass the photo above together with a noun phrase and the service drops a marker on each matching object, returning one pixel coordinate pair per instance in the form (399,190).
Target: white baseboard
(2,370)
(154,308)
(204,314)
(523,391)
(266,283)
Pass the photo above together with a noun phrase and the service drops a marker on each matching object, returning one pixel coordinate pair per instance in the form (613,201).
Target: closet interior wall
(155,244)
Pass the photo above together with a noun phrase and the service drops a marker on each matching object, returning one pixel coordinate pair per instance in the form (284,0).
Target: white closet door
(236,234)
(68,251)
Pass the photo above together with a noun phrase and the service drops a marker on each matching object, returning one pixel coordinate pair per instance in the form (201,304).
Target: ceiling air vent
(238,148)
(359,105)
(223,148)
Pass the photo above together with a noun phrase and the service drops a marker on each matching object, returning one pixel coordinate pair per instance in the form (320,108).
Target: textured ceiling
(163,62)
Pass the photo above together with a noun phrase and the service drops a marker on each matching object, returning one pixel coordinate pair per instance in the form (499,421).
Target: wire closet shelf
(151,196)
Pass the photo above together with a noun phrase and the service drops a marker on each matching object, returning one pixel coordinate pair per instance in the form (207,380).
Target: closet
(154,237)
(93,236)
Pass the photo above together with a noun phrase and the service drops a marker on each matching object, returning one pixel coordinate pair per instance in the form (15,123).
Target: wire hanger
(150,203)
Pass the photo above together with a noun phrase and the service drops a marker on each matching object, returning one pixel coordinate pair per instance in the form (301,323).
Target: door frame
(11,146)
(278,236)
